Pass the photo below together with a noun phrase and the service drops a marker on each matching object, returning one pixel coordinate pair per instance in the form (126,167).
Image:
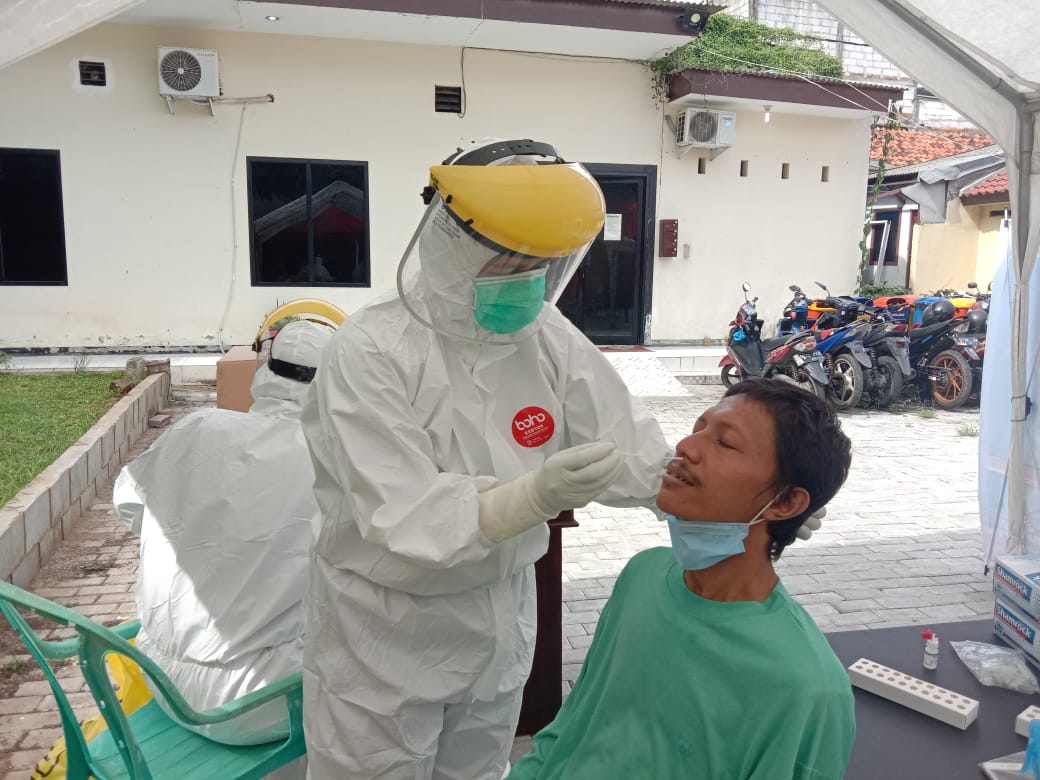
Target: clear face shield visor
(495,244)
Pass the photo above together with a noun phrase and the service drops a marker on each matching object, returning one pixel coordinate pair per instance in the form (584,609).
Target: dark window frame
(64,281)
(254,269)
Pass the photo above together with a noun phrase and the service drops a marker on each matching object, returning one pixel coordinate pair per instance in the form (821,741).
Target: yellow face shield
(548,211)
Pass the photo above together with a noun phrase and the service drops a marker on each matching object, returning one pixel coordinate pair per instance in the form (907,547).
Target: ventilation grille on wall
(447,100)
(92,74)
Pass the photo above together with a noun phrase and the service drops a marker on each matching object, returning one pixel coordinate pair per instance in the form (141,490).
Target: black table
(894,742)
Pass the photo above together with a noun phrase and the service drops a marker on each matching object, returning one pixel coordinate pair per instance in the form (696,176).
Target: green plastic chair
(148,744)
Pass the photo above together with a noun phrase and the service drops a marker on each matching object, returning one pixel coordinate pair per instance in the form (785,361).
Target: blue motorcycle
(845,358)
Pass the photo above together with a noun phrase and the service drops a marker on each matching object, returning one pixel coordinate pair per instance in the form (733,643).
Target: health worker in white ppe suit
(225,507)
(448,423)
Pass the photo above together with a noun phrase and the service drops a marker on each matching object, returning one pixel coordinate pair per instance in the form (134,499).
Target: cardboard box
(235,375)
(1017,579)
(1017,627)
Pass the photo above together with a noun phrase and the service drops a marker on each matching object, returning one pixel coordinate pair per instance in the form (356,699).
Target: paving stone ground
(900,546)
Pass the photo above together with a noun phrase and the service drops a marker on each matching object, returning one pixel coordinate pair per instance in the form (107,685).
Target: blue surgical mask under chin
(505,304)
(698,544)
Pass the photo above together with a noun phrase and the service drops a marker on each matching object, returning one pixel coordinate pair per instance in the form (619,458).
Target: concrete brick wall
(807,17)
(42,514)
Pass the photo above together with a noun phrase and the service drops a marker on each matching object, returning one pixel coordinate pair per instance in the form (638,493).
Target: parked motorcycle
(792,357)
(794,317)
(982,299)
(941,356)
(889,350)
(845,359)
(836,311)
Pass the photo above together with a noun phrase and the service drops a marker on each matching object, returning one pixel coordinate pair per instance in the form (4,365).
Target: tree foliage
(736,44)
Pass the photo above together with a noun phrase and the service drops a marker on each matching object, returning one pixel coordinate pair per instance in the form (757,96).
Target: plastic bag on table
(1005,768)
(1001,667)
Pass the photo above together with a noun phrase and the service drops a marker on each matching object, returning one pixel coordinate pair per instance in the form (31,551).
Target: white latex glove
(568,479)
(812,523)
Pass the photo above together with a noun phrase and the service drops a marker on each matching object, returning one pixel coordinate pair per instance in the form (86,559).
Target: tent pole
(1018,542)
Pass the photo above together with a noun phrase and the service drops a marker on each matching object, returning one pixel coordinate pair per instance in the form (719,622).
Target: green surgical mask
(505,304)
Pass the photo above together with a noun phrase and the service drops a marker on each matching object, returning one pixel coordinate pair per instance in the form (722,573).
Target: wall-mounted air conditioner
(707,128)
(188,73)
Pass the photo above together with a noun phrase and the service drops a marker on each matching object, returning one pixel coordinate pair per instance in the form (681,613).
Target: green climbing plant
(730,43)
(891,123)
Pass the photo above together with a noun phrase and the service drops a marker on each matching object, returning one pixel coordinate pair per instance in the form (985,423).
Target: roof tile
(994,185)
(909,147)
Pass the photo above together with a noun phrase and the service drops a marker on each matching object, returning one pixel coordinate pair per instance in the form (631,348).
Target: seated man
(703,666)
(225,508)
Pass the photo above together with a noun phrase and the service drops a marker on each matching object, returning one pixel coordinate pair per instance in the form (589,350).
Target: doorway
(608,298)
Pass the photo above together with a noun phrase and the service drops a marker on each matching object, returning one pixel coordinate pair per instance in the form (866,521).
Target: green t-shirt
(677,686)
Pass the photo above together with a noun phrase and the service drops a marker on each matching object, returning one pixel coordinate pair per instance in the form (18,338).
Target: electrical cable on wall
(462,72)
(234,231)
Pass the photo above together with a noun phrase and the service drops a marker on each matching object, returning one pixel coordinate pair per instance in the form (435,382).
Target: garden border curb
(44,511)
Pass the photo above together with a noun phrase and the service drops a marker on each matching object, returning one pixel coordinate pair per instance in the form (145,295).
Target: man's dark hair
(812,452)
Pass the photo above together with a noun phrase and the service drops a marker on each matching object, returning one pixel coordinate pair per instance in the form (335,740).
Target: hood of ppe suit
(300,342)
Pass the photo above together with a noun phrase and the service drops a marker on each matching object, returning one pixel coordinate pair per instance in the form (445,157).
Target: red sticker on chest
(533,426)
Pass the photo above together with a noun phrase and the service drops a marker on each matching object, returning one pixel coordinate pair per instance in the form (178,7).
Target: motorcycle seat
(929,330)
(771,344)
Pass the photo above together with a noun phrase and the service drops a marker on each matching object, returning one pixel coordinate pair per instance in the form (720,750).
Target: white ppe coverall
(225,508)
(420,630)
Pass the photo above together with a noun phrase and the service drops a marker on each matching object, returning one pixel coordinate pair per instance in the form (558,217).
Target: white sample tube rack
(1025,717)
(919,695)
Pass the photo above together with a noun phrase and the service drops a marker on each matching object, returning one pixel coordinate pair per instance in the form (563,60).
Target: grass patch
(968,430)
(926,413)
(40,416)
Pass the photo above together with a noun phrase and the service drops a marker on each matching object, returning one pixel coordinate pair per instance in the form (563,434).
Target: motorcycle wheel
(890,384)
(846,384)
(730,375)
(951,390)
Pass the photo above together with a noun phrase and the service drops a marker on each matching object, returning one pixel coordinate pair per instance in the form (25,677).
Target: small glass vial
(931,649)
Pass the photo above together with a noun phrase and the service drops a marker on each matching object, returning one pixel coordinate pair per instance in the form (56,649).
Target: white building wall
(155,205)
(761,228)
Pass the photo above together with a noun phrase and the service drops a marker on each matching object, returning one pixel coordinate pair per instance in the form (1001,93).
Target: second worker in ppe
(224,505)
(448,423)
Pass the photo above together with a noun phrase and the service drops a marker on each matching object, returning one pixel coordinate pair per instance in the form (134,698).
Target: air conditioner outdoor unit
(188,73)
(704,127)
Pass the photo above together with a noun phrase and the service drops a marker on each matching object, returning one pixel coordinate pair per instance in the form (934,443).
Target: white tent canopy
(983,61)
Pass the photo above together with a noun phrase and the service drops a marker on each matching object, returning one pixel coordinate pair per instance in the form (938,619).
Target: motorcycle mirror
(989,287)
(972,286)
(794,288)
(823,287)
(746,286)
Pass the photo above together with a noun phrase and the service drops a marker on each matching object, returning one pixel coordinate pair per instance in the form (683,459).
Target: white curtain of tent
(29,26)
(996,390)
(982,59)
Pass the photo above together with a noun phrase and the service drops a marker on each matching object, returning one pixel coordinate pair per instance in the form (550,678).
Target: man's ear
(790,504)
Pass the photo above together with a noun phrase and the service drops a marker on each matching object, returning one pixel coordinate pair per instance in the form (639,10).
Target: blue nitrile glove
(1031,766)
